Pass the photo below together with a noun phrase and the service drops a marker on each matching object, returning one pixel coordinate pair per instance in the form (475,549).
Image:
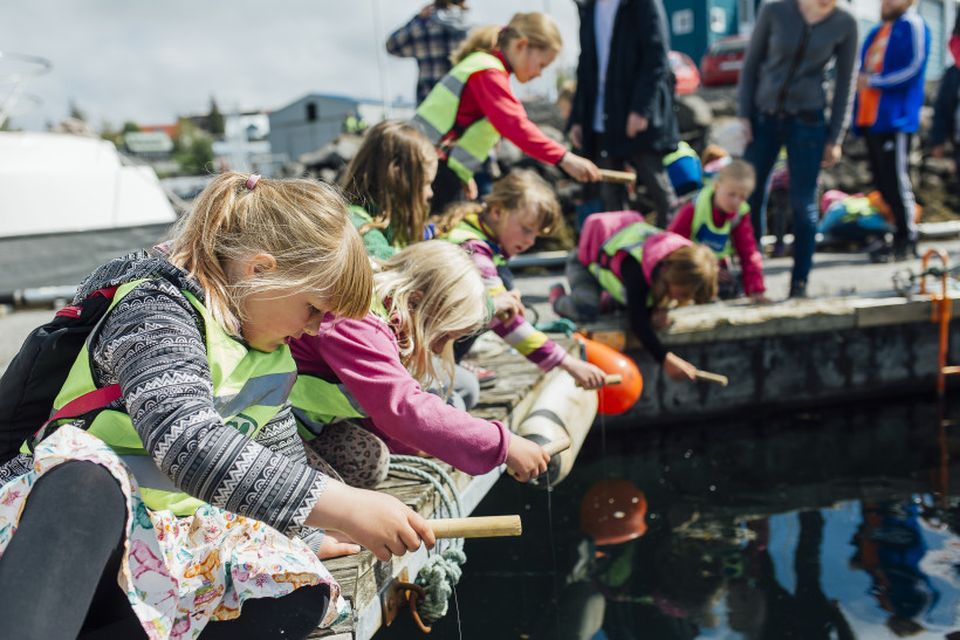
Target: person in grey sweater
(782,102)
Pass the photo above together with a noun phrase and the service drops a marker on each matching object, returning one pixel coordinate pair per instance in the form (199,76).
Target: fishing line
(551,541)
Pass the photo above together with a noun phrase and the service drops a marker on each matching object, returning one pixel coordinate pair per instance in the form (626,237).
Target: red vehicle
(685,72)
(722,62)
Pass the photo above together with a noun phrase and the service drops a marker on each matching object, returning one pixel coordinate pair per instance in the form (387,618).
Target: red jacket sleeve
(364,357)
(491,89)
(682,223)
(750,260)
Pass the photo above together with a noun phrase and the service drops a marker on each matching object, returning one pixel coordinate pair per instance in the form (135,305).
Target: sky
(120,60)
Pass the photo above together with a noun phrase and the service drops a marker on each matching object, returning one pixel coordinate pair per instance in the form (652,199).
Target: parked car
(722,62)
(685,72)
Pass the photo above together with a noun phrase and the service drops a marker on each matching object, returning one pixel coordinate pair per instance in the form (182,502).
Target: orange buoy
(613,511)
(614,398)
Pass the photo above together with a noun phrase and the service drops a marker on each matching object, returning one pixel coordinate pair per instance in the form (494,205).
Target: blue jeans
(805,137)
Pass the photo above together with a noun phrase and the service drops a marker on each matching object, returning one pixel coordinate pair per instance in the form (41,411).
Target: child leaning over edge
(520,207)
(378,368)
(178,507)
(388,184)
(641,267)
(719,218)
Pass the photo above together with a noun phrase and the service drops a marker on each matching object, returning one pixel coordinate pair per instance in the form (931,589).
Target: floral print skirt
(181,573)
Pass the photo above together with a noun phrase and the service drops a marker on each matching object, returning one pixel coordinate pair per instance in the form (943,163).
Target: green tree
(130,127)
(196,156)
(76,113)
(215,119)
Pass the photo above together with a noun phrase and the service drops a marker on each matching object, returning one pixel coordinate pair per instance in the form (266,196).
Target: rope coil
(443,569)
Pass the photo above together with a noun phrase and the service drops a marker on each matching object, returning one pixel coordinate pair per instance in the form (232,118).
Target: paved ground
(833,274)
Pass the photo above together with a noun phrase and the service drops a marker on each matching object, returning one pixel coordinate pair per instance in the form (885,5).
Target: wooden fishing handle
(713,377)
(559,445)
(480,527)
(623,177)
(613,378)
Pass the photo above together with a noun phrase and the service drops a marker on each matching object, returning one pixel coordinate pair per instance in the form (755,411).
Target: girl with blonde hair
(640,267)
(468,111)
(520,208)
(389,182)
(176,462)
(426,296)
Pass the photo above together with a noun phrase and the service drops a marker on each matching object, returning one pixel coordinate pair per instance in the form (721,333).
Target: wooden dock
(366,582)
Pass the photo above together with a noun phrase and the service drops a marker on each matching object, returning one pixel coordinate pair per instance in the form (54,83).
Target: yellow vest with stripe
(249,388)
(470,229)
(630,239)
(704,231)
(437,114)
(317,402)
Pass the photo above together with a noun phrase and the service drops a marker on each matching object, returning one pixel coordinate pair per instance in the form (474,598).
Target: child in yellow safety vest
(381,366)
(719,218)
(468,111)
(642,268)
(520,207)
(175,490)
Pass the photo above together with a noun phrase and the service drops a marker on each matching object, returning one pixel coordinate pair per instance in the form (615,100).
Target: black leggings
(58,575)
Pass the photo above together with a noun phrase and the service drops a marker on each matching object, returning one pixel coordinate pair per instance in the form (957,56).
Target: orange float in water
(613,511)
(614,398)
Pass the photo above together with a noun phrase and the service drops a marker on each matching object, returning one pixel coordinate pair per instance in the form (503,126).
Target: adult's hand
(831,155)
(576,136)
(747,129)
(580,168)
(636,124)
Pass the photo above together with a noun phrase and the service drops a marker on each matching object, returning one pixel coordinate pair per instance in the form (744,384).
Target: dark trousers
(804,136)
(651,175)
(889,164)
(58,575)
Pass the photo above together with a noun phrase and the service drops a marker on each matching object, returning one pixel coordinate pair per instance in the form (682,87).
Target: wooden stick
(559,445)
(613,378)
(717,378)
(480,527)
(622,177)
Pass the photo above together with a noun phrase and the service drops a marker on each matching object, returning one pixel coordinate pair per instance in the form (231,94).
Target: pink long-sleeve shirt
(743,243)
(363,356)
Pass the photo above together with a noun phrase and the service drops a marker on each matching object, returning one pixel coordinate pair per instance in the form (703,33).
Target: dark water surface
(835,523)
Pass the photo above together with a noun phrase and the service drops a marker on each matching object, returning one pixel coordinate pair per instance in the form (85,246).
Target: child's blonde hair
(431,290)
(519,190)
(387,177)
(692,267)
(538,28)
(303,224)
(739,171)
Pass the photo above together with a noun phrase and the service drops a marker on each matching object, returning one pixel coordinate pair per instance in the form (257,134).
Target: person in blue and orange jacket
(887,113)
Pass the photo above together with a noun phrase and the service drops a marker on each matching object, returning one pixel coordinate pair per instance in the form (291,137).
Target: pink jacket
(364,357)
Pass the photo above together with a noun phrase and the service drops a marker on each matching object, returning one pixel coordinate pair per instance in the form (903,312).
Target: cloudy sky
(149,61)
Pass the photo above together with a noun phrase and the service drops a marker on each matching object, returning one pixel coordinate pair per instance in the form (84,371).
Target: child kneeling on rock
(642,268)
(719,218)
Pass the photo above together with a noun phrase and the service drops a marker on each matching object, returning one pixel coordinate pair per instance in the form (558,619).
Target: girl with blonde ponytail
(184,427)
(426,296)
(473,106)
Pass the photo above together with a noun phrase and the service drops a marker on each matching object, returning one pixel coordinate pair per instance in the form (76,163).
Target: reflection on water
(834,524)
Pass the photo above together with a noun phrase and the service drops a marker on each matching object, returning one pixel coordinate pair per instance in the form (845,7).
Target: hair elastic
(252,181)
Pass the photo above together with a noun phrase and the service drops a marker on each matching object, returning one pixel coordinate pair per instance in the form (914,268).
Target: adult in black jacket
(635,122)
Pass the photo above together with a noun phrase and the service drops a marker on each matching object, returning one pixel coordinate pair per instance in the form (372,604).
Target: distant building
(696,24)
(317,119)
(309,123)
(148,145)
(245,145)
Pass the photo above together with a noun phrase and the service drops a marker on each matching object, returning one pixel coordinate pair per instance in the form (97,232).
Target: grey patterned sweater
(152,345)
